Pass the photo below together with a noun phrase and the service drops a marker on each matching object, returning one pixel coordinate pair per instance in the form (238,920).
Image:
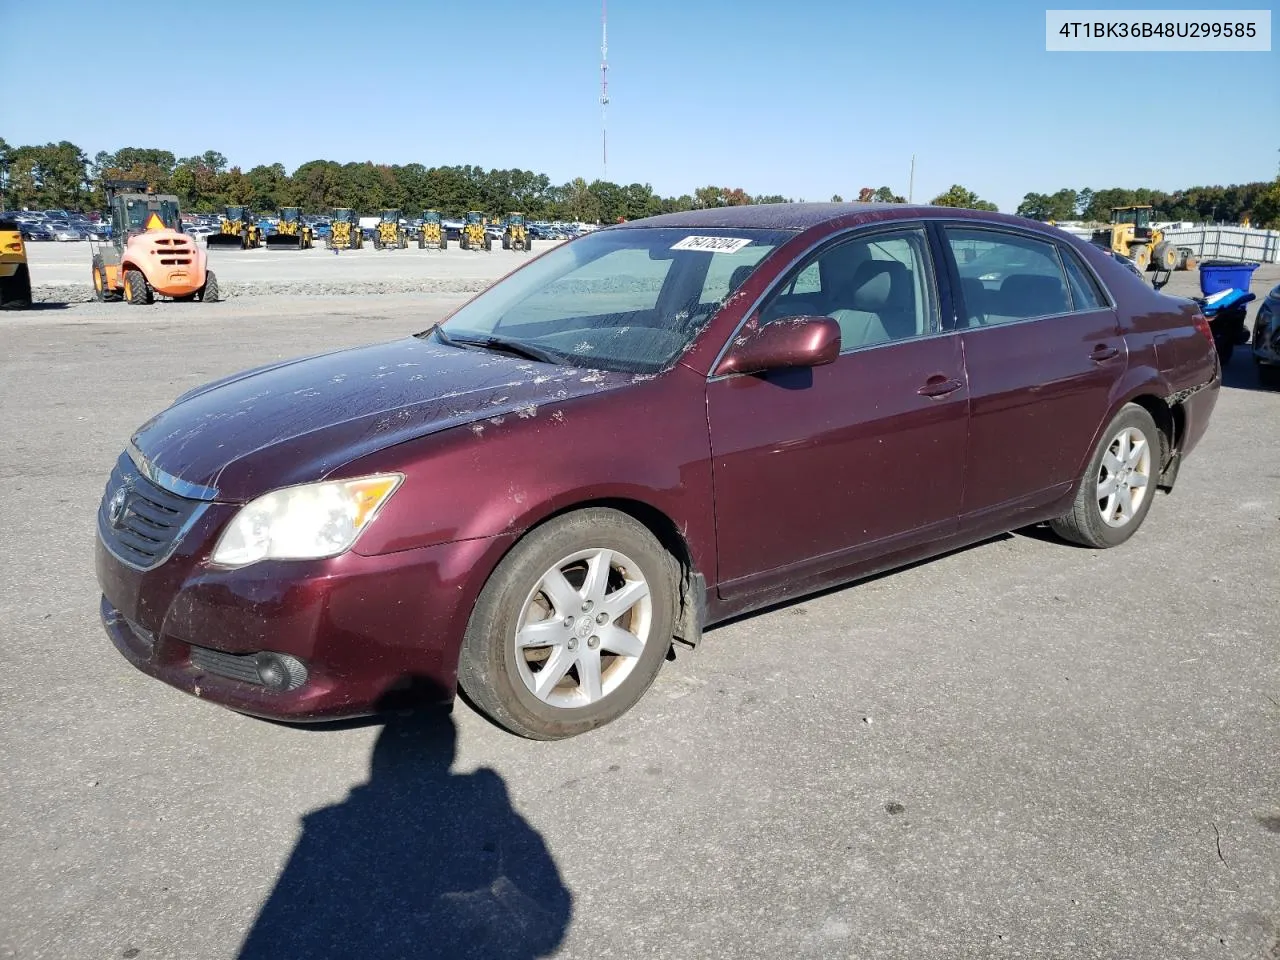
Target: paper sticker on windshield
(712,244)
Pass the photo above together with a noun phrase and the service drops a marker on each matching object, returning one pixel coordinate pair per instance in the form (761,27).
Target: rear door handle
(1103,352)
(939,386)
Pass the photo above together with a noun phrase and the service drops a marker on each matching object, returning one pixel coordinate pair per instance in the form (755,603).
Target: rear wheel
(210,292)
(99,278)
(572,627)
(1118,484)
(136,289)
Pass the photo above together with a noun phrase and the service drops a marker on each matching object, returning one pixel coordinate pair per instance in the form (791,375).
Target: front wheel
(1118,484)
(572,627)
(210,292)
(136,289)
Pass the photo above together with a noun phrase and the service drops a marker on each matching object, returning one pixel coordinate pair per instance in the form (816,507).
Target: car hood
(296,421)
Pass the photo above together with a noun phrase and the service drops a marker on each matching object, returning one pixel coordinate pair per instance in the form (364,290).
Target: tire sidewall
(489,645)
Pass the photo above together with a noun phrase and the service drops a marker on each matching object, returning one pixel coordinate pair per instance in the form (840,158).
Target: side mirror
(786,342)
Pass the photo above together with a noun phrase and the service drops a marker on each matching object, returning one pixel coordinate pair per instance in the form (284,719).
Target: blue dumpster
(1223,275)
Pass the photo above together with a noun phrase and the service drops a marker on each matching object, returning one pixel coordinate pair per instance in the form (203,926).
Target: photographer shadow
(418,862)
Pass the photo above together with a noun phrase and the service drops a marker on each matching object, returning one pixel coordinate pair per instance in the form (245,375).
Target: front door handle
(939,386)
(1103,352)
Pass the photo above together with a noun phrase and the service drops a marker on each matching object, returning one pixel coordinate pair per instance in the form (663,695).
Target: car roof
(802,216)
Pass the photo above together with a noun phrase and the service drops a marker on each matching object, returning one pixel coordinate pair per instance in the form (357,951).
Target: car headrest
(880,285)
(739,276)
(1040,294)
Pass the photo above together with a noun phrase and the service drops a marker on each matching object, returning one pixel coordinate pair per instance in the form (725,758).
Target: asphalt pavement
(1023,749)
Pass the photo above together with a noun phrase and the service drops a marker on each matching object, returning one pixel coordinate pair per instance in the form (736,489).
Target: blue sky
(806,98)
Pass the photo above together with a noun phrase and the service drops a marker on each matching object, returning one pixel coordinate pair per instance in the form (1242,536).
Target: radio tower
(604,87)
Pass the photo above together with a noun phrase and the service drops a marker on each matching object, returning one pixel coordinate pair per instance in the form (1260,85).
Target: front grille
(140,522)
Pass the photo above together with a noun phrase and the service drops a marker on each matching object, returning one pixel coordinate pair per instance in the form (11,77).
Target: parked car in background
(63,232)
(1265,339)
(809,394)
(36,231)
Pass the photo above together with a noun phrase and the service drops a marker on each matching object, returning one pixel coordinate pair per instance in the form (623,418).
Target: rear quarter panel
(1168,356)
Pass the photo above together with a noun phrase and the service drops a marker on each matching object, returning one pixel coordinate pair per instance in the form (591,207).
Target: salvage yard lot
(1020,749)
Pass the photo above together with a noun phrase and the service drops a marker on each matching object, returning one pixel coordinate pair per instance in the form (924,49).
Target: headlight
(306,522)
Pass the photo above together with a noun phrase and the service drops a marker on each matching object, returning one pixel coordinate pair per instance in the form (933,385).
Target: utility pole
(911,184)
(604,89)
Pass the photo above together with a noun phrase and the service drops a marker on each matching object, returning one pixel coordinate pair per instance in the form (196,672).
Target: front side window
(630,298)
(879,288)
(1006,277)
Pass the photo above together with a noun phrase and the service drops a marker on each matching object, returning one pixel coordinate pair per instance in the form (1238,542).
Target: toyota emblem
(116,508)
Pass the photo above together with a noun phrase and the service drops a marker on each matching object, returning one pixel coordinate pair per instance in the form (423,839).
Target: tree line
(1214,204)
(62,176)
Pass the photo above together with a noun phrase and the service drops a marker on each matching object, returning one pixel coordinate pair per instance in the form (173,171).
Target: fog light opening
(281,672)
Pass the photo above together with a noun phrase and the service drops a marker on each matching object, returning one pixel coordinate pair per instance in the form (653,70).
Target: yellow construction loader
(290,231)
(15,280)
(1131,235)
(474,235)
(515,235)
(388,234)
(238,229)
(431,235)
(344,230)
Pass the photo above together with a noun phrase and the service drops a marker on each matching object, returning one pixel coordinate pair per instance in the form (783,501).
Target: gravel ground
(60,271)
(1018,750)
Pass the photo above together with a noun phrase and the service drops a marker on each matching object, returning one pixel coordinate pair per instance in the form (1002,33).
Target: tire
(488,243)
(462,242)
(15,290)
(1225,344)
(1085,524)
(99,271)
(1165,256)
(506,242)
(500,678)
(136,289)
(422,241)
(1268,376)
(210,293)
(444,242)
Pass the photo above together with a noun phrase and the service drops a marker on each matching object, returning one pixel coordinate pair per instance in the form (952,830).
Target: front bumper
(371,631)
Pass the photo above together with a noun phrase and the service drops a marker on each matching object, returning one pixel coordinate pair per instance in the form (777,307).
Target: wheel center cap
(584,626)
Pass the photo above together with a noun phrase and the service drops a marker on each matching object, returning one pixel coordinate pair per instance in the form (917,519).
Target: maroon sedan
(640,433)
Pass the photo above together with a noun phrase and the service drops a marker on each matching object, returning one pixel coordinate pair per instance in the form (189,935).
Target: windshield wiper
(516,348)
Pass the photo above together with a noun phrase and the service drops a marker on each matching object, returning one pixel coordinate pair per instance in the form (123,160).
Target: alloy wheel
(1124,476)
(583,628)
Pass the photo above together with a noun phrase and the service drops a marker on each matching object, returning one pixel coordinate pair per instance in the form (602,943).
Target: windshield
(390,216)
(138,213)
(473,218)
(516,220)
(288,214)
(431,216)
(235,213)
(629,299)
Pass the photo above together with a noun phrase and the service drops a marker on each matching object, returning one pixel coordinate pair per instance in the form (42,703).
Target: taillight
(1202,324)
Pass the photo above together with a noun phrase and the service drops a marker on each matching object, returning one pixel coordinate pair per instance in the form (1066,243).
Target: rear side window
(1007,277)
(1084,289)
